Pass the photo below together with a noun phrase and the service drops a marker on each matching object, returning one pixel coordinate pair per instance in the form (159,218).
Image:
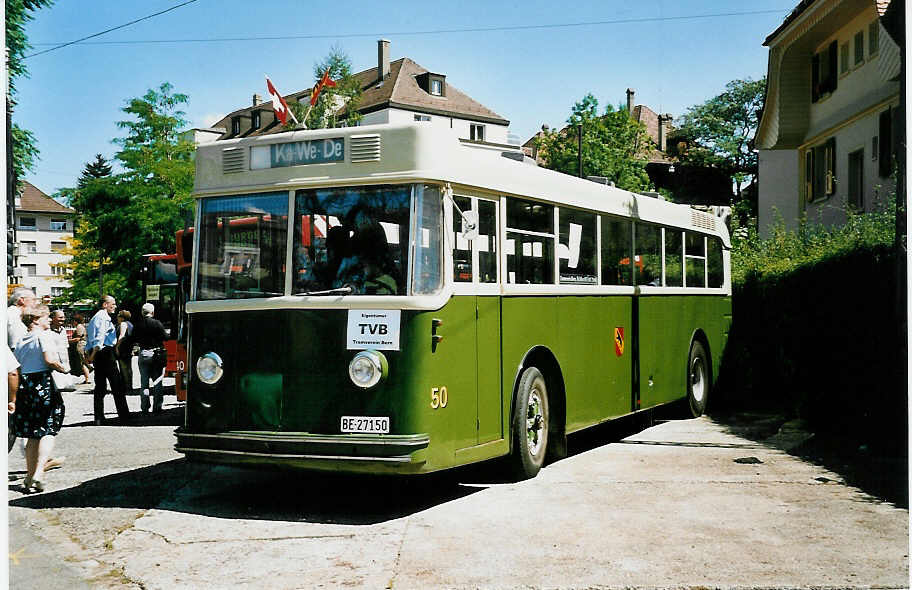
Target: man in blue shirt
(100,340)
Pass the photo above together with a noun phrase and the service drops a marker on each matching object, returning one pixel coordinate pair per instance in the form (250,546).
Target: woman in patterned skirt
(39,407)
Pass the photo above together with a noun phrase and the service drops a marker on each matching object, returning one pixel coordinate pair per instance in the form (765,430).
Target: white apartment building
(830,120)
(43,228)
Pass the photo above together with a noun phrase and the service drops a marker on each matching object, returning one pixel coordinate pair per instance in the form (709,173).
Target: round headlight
(367,368)
(209,368)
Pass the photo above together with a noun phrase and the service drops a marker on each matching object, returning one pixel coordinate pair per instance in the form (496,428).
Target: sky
(529,60)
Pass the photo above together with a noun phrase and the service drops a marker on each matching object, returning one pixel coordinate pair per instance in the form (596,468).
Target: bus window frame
(475,286)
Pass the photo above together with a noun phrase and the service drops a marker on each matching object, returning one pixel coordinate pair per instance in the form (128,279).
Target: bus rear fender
(544,360)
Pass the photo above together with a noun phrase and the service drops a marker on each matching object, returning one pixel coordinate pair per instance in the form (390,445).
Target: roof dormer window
(433,84)
(235,125)
(255,120)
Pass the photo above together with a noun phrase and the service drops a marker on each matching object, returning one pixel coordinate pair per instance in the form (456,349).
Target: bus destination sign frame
(298,153)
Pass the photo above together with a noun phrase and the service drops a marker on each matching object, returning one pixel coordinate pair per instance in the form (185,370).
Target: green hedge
(815,329)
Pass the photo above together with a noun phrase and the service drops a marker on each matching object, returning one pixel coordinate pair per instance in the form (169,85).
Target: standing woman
(39,406)
(79,336)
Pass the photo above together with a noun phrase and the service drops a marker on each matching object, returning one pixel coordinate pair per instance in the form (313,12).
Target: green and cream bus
(394,299)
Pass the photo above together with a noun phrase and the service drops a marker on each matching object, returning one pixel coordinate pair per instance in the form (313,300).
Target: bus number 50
(439,397)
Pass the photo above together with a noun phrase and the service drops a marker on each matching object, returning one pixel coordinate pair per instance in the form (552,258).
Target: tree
(719,132)
(22,150)
(335,105)
(614,146)
(138,211)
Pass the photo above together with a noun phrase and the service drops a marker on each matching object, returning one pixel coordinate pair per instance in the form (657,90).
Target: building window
(873,38)
(823,72)
(255,120)
(58,291)
(58,225)
(29,247)
(476,132)
(58,270)
(27,223)
(856,179)
(859,48)
(235,125)
(437,87)
(29,270)
(820,170)
(58,246)
(422,117)
(844,58)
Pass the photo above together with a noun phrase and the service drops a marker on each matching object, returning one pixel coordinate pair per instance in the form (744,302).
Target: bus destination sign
(297,153)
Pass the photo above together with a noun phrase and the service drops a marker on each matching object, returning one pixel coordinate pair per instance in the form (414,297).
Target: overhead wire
(404,33)
(132,22)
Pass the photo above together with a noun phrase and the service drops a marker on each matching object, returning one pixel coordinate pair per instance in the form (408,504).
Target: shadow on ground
(881,473)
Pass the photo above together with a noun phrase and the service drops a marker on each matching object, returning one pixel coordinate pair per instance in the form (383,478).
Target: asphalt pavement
(683,504)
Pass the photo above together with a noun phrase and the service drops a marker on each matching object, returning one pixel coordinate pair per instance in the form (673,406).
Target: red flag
(324,81)
(278,103)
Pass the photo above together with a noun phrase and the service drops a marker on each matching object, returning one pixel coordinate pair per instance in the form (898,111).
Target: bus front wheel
(697,379)
(530,424)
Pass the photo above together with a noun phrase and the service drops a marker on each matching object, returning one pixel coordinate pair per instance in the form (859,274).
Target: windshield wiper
(339,290)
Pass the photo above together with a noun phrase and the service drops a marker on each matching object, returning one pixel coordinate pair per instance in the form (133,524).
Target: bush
(814,329)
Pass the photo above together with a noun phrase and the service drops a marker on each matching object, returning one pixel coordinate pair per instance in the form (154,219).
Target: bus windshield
(242,246)
(357,240)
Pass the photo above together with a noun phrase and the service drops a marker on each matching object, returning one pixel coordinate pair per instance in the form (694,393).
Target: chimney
(257,99)
(630,93)
(663,131)
(383,59)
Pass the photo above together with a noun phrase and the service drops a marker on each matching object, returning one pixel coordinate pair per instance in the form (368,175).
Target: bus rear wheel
(530,425)
(698,379)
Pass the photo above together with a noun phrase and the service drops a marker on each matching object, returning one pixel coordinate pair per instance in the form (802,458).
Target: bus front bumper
(344,452)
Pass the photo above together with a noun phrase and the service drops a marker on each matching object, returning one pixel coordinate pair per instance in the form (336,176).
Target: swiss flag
(278,103)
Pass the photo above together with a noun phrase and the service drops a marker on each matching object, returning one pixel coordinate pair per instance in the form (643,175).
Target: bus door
(475,262)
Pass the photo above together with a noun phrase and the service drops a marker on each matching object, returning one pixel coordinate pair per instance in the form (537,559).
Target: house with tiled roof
(43,229)
(831,117)
(394,92)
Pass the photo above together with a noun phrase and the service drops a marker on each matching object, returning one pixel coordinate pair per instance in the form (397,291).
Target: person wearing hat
(149,335)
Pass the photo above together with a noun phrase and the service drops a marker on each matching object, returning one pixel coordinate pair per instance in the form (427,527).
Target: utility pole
(579,148)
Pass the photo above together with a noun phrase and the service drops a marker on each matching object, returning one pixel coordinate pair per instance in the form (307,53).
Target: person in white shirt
(39,405)
(20,299)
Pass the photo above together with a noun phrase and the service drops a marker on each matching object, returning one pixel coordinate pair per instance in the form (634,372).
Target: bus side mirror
(469,229)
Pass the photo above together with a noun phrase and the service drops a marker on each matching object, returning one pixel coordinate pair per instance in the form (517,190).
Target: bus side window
(487,241)
(714,263)
(616,264)
(530,246)
(462,248)
(576,247)
(647,258)
(694,260)
(674,261)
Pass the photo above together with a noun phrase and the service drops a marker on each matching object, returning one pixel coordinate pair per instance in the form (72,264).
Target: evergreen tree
(94,170)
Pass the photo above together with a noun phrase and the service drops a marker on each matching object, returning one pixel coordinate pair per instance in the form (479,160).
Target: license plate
(366,424)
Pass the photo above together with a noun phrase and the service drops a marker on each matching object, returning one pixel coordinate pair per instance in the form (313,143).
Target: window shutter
(830,166)
(809,175)
(815,78)
(885,131)
(832,59)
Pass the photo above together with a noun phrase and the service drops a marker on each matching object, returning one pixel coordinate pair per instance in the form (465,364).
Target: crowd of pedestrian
(44,358)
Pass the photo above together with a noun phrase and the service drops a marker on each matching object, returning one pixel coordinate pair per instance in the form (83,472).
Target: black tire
(699,379)
(530,425)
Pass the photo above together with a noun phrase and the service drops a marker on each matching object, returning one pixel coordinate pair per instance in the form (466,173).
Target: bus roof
(383,154)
